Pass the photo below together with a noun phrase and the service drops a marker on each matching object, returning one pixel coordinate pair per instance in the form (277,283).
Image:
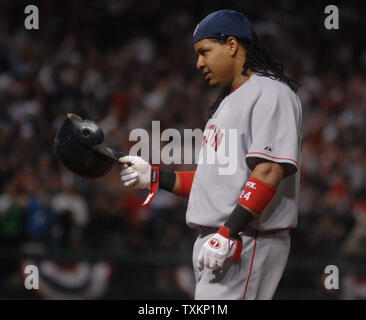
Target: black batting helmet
(79,145)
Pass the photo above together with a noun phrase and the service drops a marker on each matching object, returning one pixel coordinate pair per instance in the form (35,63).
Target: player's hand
(135,172)
(217,249)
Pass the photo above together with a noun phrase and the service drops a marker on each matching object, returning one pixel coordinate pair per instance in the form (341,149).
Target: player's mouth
(207,75)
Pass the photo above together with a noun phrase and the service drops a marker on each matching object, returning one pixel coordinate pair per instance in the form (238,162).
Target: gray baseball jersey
(261,120)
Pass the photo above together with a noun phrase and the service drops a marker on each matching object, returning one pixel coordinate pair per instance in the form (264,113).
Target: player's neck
(240,80)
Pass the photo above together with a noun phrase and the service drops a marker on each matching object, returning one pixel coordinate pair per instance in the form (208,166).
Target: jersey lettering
(251,185)
(246,196)
(213,136)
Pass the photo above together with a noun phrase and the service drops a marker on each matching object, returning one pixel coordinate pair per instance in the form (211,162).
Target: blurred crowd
(126,63)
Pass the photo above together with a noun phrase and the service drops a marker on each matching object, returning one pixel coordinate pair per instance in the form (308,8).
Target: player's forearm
(176,184)
(258,192)
(268,172)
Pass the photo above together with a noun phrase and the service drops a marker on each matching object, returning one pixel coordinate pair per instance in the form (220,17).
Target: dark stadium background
(126,63)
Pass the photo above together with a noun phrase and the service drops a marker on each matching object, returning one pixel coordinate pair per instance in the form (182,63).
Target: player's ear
(233,45)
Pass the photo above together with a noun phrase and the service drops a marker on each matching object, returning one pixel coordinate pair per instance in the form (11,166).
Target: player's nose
(200,63)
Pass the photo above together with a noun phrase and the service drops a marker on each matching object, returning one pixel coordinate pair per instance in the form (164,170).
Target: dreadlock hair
(223,93)
(258,60)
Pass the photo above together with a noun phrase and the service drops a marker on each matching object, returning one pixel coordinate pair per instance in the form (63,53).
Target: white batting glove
(136,172)
(217,249)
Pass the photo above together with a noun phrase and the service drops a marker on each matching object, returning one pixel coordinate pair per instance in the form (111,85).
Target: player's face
(215,62)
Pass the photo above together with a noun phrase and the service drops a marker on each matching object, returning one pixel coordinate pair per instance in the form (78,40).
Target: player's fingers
(210,262)
(127,171)
(128,159)
(213,263)
(130,176)
(122,166)
(200,263)
(219,264)
(206,260)
(130,182)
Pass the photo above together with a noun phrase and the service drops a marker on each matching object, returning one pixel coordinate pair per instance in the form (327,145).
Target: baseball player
(243,218)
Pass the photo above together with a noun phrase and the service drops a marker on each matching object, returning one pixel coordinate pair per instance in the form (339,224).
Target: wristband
(185,185)
(226,232)
(154,185)
(256,195)
(165,179)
